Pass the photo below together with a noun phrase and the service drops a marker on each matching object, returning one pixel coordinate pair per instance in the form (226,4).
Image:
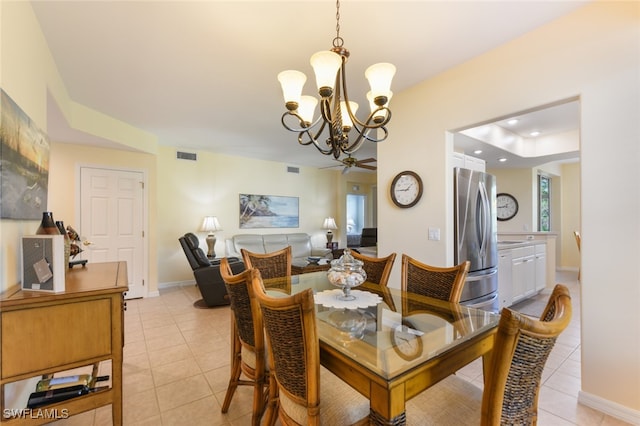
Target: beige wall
(594,54)
(517,182)
(64,188)
(190,190)
(570,256)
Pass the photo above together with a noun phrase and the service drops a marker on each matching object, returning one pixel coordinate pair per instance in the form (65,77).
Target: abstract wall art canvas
(24,164)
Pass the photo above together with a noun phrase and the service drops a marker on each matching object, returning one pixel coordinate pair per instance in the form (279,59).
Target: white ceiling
(548,120)
(201,75)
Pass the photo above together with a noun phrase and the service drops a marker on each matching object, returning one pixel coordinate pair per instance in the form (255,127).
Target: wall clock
(507,206)
(406,189)
(407,342)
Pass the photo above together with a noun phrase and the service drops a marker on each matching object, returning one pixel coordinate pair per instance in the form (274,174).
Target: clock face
(406,189)
(406,342)
(507,206)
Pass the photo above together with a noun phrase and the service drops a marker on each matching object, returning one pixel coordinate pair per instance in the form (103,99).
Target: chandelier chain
(338,41)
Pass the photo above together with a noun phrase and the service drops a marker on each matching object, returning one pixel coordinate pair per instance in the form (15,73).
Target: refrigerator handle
(486,217)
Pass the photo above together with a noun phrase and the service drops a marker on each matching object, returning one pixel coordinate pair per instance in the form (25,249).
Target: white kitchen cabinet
(463,161)
(523,273)
(474,163)
(505,292)
(540,266)
(457,159)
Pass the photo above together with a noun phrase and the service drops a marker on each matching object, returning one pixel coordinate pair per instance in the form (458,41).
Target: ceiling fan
(350,162)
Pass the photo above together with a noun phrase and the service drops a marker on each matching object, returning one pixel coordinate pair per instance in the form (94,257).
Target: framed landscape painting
(268,211)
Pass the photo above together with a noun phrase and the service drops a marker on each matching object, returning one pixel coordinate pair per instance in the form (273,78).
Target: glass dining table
(391,345)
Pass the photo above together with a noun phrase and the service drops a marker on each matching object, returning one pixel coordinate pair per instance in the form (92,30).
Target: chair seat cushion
(340,404)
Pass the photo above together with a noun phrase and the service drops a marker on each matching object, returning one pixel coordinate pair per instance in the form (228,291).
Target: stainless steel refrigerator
(476,236)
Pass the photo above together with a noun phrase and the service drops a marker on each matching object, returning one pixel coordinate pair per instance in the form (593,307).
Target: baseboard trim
(175,284)
(610,408)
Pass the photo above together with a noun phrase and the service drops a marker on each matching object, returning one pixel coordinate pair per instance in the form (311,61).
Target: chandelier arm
(306,130)
(357,124)
(313,139)
(304,127)
(365,130)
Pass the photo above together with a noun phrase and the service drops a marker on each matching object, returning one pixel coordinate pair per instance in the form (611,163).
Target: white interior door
(112,219)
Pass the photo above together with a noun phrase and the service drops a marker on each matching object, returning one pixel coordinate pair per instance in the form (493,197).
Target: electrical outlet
(434,234)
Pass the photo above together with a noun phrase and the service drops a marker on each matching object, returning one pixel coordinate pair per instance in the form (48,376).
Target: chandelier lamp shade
(337,130)
(329,224)
(210,224)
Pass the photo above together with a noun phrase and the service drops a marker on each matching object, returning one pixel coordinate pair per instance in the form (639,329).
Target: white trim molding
(610,408)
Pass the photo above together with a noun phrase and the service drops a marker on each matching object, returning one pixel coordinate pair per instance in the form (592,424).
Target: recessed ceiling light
(534,133)
(502,159)
(477,151)
(512,121)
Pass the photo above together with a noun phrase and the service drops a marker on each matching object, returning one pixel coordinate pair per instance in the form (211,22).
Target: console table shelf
(43,333)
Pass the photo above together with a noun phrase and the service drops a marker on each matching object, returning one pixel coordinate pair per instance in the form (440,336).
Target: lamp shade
(292,82)
(307,108)
(325,65)
(346,119)
(330,223)
(380,76)
(210,224)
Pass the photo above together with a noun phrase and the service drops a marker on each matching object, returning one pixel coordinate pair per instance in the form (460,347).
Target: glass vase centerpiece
(346,273)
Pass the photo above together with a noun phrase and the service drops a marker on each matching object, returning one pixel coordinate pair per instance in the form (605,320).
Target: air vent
(187,156)
(293,169)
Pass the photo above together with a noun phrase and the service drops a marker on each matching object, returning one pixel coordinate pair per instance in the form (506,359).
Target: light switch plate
(434,234)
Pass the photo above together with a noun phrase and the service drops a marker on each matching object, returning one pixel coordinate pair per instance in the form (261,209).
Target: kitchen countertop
(507,240)
(509,244)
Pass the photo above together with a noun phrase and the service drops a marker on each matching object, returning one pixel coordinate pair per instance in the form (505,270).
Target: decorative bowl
(346,273)
(314,259)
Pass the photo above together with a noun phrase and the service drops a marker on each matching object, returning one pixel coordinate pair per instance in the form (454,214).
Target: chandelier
(337,130)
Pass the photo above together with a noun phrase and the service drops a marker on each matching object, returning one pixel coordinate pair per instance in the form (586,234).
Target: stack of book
(57,389)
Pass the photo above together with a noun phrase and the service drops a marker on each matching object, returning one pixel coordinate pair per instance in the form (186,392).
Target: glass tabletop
(390,332)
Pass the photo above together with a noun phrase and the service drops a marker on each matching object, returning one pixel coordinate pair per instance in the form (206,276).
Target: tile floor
(176,366)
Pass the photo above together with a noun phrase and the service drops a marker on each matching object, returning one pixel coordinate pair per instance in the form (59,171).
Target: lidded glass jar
(346,273)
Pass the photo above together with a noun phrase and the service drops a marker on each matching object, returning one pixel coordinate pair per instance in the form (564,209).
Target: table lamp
(210,224)
(329,224)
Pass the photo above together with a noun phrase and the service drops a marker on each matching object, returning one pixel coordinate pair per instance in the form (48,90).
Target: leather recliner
(207,272)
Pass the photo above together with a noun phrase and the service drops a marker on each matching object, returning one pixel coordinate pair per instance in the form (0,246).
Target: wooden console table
(44,333)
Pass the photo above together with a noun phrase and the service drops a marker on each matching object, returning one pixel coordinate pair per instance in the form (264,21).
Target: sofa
(300,243)
(207,272)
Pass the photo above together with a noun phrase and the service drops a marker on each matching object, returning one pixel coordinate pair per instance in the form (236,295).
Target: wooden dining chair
(512,385)
(301,391)
(248,352)
(378,269)
(444,283)
(271,265)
